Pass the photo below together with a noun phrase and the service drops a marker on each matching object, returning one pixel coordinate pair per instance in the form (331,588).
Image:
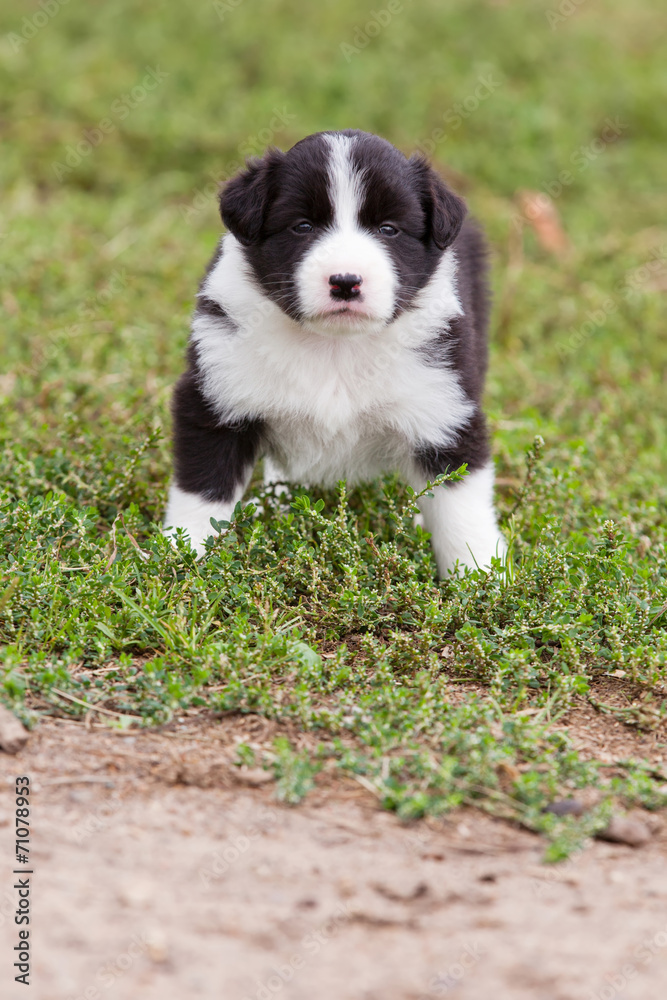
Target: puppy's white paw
(192,513)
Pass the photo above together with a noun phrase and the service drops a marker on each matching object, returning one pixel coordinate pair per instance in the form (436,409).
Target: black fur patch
(210,458)
(472,448)
(463,346)
(211,308)
(412,197)
(261,206)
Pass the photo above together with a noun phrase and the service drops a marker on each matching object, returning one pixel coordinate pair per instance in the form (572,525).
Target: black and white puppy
(340,333)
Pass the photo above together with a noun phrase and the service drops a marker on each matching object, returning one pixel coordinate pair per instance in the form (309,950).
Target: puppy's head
(343,230)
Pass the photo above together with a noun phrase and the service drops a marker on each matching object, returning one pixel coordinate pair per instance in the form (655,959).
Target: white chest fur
(335,406)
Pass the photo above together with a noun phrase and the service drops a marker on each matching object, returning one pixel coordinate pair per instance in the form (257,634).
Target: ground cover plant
(322,610)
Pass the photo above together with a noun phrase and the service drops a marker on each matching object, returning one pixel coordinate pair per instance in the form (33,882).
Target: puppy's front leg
(460,516)
(213,463)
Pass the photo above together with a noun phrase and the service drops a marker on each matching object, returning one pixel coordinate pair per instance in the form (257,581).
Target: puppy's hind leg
(460,516)
(462,522)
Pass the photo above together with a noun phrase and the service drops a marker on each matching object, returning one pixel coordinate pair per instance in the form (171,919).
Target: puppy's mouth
(344,321)
(346,312)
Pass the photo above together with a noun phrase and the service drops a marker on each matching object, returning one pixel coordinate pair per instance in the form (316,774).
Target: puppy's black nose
(345,286)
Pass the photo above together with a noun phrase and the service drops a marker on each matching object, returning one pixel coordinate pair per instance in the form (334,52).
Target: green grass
(437,693)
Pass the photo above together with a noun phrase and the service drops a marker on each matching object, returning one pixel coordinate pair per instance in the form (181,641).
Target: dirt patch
(602,736)
(163,872)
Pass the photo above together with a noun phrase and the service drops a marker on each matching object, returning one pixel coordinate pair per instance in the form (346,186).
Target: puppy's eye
(387,230)
(303,227)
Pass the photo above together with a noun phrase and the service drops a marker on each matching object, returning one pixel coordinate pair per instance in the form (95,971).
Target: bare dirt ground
(161,872)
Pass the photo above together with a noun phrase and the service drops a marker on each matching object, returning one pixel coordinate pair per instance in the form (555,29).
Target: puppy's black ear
(445,211)
(244,199)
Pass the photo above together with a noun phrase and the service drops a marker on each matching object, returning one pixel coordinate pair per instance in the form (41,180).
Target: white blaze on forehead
(345,182)
(345,247)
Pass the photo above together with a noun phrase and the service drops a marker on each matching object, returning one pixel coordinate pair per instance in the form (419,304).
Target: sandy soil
(160,872)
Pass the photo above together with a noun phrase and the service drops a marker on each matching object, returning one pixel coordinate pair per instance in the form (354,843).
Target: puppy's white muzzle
(347,252)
